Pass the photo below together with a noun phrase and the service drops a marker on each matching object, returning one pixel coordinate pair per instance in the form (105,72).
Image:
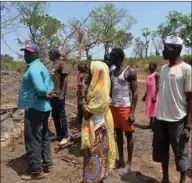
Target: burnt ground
(67,162)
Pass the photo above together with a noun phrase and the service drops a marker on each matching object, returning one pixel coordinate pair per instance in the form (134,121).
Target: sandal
(127,169)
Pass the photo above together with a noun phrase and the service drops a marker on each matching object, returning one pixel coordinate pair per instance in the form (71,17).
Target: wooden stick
(69,160)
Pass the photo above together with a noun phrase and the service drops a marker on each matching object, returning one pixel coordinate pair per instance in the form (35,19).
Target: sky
(147,14)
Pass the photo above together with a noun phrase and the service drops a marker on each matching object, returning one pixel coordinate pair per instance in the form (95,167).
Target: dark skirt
(95,166)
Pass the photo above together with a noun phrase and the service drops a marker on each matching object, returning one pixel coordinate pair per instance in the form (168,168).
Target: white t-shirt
(175,82)
(98,120)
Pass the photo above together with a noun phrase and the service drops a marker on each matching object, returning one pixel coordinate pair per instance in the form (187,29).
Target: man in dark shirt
(59,75)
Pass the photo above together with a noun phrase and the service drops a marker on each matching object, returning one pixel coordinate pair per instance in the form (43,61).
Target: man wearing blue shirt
(35,91)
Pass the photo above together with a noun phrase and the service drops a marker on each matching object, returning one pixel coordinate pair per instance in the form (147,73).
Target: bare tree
(9,19)
(78,35)
(157,43)
(139,47)
(146,33)
(69,35)
(84,41)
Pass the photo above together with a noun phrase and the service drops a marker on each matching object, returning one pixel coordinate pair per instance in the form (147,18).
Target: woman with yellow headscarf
(97,132)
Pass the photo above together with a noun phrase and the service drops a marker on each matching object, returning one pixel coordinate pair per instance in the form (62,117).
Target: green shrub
(187,59)
(14,66)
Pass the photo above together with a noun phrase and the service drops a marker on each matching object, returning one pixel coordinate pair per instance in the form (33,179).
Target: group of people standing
(107,95)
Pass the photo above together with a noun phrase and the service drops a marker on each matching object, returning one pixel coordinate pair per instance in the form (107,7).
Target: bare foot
(120,164)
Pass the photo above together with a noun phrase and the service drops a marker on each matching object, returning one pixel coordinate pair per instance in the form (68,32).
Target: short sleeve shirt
(175,83)
(56,69)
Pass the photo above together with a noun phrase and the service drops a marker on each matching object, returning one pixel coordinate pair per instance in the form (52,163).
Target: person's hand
(52,94)
(131,118)
(154,99)
(61,96)
(144,98)
(186,134)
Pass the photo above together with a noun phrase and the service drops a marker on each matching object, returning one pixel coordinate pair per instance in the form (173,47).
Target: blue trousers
(37,142)
(59,117)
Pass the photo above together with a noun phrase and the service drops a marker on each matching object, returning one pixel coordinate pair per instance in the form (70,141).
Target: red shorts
(120,117)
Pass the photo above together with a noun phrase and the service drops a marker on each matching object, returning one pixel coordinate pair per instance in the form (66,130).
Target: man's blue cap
(33,48)
(55,50)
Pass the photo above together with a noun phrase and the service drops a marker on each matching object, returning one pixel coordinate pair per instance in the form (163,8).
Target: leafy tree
(106,25)
(179,24)
(124,39)
(43,28)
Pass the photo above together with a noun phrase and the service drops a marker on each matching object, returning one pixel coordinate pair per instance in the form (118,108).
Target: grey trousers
(170,133)
(37,141)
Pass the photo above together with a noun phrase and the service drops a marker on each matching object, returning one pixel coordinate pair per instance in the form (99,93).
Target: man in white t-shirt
(174,112)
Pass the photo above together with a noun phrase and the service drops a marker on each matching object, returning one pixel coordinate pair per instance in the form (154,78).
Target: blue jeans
(37,142)
(59,117)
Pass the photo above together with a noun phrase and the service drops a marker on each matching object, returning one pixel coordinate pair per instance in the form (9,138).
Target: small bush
(14,66)
(187,59)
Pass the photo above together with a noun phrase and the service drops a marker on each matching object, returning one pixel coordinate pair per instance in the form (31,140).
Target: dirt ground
(14,162)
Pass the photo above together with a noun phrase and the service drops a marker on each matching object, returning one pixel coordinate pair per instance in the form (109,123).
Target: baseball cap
(174,40)
(55,50)
(31,48)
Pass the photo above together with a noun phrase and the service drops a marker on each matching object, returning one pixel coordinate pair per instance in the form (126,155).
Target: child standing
(151,95)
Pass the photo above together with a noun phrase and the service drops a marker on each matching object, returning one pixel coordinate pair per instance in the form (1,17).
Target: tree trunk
(79,52)
(106,46)
(87,53)
(146,50)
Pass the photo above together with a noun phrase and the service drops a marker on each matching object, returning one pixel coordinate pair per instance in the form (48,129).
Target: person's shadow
(143,127)
(19,164)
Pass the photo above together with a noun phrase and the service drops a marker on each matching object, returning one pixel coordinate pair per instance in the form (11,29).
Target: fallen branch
(70,160)
(10,114)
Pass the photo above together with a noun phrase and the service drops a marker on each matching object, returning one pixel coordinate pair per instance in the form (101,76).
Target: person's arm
(63,80)
(132,78)
(188,90)
(86,114)
(36,76)
(157,84)
(154,99)
(144,97)
(189,107)
(110,74)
